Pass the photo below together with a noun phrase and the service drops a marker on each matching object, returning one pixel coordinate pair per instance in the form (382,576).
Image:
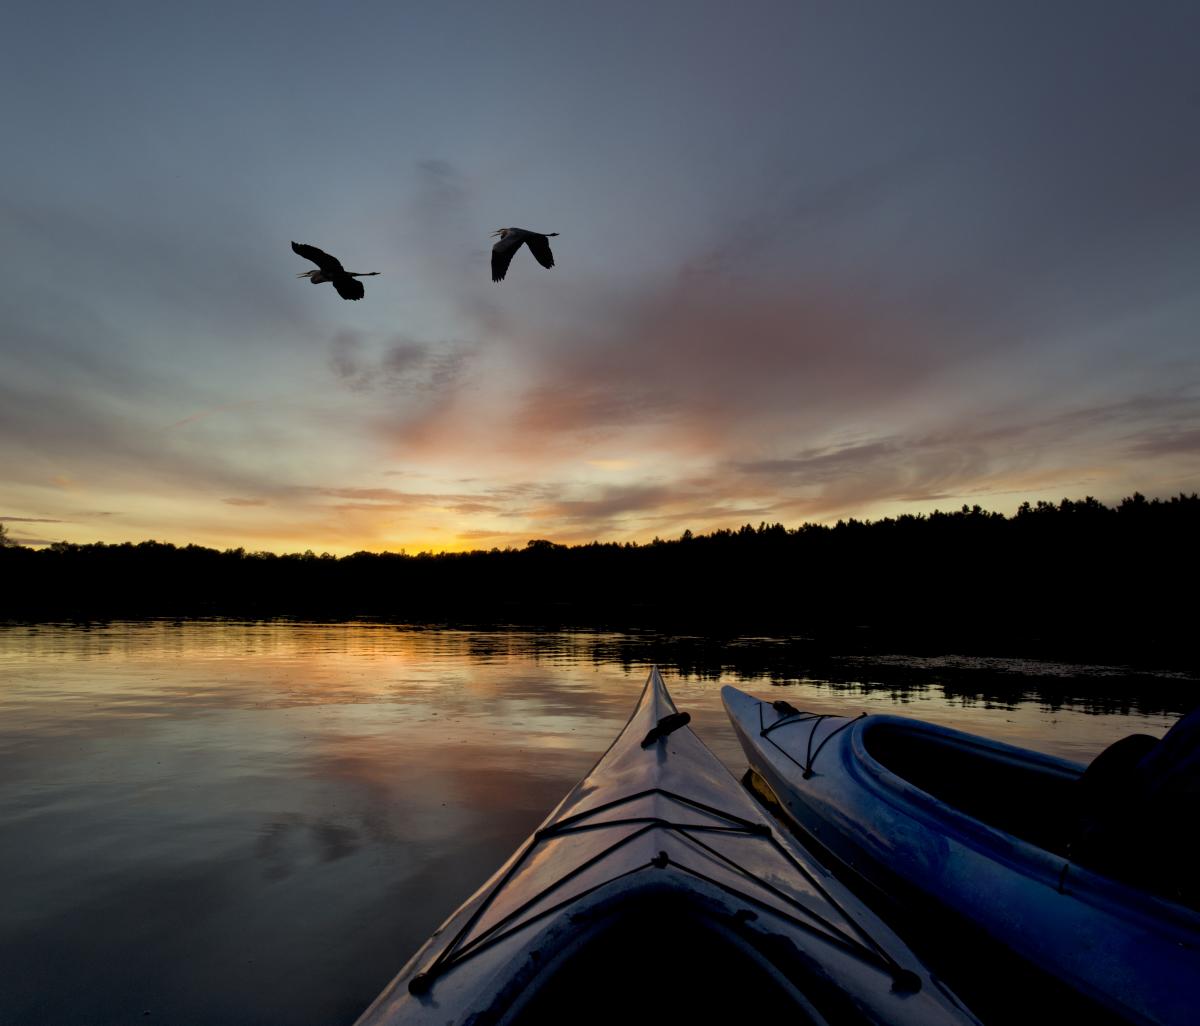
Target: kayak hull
(1125,950)
(656,888)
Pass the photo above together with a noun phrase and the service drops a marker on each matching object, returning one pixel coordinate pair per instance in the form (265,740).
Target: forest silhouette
(1078,579)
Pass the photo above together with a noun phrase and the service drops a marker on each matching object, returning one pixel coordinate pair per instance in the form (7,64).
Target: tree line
(1053,577)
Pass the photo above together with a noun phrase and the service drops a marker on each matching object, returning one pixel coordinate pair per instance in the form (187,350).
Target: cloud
(395,500)
(1168,442)
(718,363)
(470,507)
(605,504)
(245,502)
(988,455)
(564,406)
(48,430)
(30,541)
(401,365)
(224,408)
(822,465)
(345,359)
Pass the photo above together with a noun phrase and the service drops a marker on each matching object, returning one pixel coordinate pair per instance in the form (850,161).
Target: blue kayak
(946,822)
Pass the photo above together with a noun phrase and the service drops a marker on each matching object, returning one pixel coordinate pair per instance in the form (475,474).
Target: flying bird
(331,270)
(510,241)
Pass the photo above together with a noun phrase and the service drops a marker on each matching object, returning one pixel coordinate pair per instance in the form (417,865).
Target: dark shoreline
(1078,583)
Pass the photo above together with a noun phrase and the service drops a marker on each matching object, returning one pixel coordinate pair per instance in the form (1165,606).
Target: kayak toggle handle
(667,725)
(784,708)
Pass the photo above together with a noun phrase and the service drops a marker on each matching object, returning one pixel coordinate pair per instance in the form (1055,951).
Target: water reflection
(258,823)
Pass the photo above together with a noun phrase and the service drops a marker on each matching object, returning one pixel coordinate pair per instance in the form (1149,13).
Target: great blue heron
(331,270)
(510,241)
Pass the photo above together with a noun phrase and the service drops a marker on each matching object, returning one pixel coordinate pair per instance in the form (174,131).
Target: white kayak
(658,891)
(958,830)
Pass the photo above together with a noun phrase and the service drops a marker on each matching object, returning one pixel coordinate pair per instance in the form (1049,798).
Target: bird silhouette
(331,270)
(510,240)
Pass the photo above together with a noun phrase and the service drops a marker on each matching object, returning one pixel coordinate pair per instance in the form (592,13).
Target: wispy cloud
(399,365)
(1167,442)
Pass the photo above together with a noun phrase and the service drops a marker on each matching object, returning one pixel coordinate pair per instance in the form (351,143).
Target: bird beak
(304,275)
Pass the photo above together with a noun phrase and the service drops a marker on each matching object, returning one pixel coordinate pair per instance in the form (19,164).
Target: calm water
(258,823)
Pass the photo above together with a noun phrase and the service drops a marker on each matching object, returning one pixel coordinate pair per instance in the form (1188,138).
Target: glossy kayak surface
(658,891)
(971,827)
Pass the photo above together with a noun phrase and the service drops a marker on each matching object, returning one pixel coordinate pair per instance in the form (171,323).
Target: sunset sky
(816,260)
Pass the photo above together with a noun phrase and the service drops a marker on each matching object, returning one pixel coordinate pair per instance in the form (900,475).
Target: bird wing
(330,265)
(349,288)
(502,254)
(539,246)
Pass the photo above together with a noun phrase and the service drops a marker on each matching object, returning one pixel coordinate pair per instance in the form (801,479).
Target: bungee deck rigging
(791,715)
(459,950)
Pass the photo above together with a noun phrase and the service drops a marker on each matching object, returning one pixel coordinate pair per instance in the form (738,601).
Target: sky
(816,260)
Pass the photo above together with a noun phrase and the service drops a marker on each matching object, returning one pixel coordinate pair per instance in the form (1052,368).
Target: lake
(258,823)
